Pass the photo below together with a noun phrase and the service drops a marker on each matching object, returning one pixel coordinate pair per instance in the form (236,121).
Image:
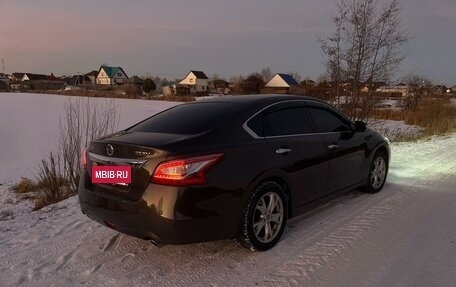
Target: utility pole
(3,66)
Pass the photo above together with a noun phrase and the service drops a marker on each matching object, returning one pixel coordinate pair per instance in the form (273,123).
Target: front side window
(327,120)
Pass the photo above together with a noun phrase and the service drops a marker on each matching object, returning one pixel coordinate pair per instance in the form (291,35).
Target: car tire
(264,217)
(378,170)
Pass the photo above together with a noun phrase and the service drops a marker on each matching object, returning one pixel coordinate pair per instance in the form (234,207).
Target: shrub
(149,86)
(52,186)
(83,121)
(24,186)
(435,115)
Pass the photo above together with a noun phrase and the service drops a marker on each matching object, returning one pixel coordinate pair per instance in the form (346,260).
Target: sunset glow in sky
(170,37)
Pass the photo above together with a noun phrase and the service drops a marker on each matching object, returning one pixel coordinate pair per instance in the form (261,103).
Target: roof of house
(199,74)
(135,80)
(288,79)
(18,75)
(307,83)
(112,71)
(92,73)
(37,77)
(219,82)
(80,79)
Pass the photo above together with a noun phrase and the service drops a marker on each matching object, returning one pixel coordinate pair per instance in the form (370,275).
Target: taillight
(84,158)
(186,171)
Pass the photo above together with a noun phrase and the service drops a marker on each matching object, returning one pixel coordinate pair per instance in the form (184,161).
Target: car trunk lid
(142,151)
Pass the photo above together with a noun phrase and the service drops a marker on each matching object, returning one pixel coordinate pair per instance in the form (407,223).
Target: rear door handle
(333,147)
(283,150)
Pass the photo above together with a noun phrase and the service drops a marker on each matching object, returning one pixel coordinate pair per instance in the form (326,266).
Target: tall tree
(266,74)
(418,87)
(366,47)
(149,85)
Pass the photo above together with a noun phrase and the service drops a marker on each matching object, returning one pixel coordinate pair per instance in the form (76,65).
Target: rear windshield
(187,119)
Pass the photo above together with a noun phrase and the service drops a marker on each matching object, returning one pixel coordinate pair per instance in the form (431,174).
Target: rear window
(187,119)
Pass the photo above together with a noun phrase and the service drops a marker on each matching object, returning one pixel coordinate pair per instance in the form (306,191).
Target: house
(400,89)
(42,82)
(439,89)
(453,89)
(92,77)
(219,86)
(366,87)
(76,80)
(35,77)
(281,84)
(17,77)
(111,76)
(135,80)
(4,82)
(196,81)
(4,78)
(308,83)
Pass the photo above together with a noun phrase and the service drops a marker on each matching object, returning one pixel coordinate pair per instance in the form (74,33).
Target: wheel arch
(278,177)
(386,151)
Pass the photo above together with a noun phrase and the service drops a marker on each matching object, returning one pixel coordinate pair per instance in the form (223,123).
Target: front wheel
(377,173)
(264,217)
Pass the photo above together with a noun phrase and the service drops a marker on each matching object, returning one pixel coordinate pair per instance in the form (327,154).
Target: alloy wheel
(268,217)
(378,172)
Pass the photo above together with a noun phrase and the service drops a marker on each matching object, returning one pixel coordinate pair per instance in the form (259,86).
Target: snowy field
(29,127)
(402,236)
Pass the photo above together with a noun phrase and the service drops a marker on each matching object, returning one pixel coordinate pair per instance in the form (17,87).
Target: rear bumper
(164,214)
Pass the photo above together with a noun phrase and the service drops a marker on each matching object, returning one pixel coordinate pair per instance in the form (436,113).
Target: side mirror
(360,126)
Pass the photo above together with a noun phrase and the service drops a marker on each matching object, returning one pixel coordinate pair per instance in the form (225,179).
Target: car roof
(254,99)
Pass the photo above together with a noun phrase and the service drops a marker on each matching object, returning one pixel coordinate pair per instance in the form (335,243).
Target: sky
(170,37)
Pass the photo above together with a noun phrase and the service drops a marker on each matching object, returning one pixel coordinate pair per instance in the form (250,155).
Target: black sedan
(230,167)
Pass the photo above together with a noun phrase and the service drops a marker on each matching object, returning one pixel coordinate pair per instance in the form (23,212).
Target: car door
(296,150)
(345,147)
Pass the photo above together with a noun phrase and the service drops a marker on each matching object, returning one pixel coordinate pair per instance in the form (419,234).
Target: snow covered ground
(402,236)
(29,127)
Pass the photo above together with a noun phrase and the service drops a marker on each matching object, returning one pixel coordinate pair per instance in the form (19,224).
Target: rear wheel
(264,217)
(377,173)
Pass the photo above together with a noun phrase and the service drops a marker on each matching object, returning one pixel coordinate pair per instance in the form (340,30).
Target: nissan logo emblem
(109,150)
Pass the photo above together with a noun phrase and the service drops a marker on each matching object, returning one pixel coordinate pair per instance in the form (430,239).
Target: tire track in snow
(304,267)
(105,256)
(61,250)
(146,266)
(43,249)
(436,161)
(204,267)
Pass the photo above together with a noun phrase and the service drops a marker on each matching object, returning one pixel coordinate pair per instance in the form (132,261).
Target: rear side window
(288,118)
(326,119)
(256,125)
(187,119)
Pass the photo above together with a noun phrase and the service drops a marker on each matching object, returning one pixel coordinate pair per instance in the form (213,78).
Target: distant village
(114,80)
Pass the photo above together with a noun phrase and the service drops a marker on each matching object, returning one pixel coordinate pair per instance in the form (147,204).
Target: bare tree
(296,76)
(365,48)
(215,77)
(419,86)
(322,79)
(266,74)
(84,120)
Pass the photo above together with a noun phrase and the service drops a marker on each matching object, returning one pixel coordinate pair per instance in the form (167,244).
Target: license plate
(112,174)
